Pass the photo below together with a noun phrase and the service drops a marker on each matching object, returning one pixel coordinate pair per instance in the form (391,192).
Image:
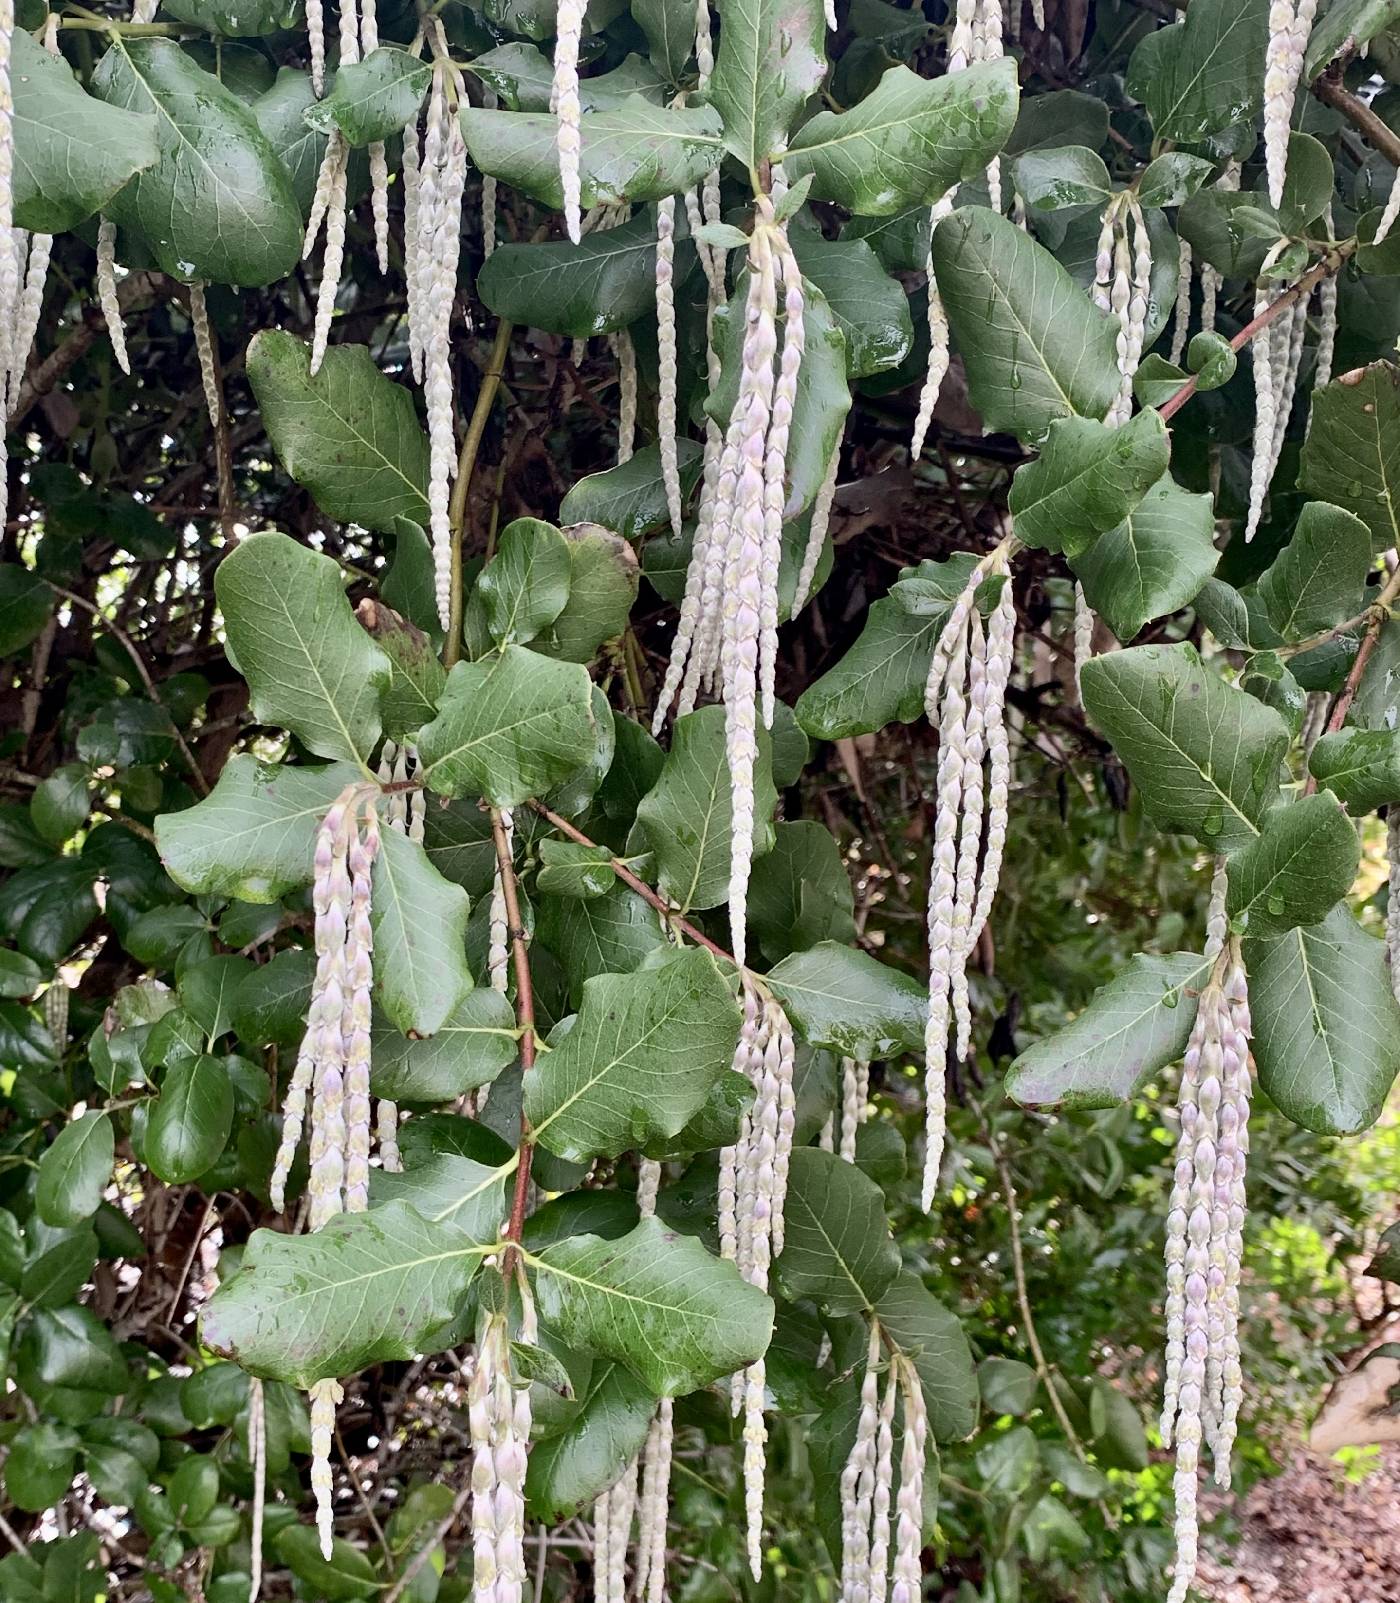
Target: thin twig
(1330,89)
(641,887)
(1018,1267)
(524,1017)
(1379,613)
(1275,309)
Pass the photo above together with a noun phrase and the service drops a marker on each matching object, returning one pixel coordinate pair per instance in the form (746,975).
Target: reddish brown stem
(628,878)
(1275,309)
(524,1017)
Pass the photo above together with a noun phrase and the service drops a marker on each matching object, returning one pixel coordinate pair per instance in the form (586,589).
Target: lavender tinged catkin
(325,1396)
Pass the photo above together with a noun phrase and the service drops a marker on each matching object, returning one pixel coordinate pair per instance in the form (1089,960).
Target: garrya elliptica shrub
(521,1084)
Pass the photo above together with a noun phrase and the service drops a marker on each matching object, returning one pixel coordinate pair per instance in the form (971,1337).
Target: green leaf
(1066,175)
(237,19)
(1319,578)
(1351,456)
(74,1171)
(477,1041)
(1132,1028)
(72,153)
(608,934)
(685,818)
(800,892)
(346,1575)
(190,1123)
(60,803)
(909,141)
(837,1251)
(636,152)
(525,585)
(447,1189)
(416,673)
(1035,347)
(1326,1025)
(42,1461)
(523,78)
(603,581)
(19,975)
(569,1470)
(1298,869)
(669,26)
(1204,755)
(371,101)
(923,1329)
(349,435)
(568,869)
(1361,766)
(630,499)
(310,667)
(1009,1387)
(26,605)
(508,728)
(869,307)
(842,998)
(1173,178)
(1086,481)
(254,837)
(881,678)
(1206,73)
(1346,19)
(598,286)
(1211,357)
(419,920)
(1155,561)
(217,204)
(638,1062)
(365,1289)
(655,1301)
(771,57)
(280,112)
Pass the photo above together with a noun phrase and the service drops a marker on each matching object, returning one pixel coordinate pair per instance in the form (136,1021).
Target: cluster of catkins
(434,178)
(839,1132)
(965,698)
(1276,352)
(867,1485)
(1123,288)
(1205,1234)
(753,1178)
(728,629)
(1290,27)
(976,36)
(333,1066)
(498,1414)
(643,1488)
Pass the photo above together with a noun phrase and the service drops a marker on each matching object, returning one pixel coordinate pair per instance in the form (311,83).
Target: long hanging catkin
(1205,1233)
(1264,357)
(107,290)
(499,1419)
(667,371)
(1289,31)
(965,668)
(564,103)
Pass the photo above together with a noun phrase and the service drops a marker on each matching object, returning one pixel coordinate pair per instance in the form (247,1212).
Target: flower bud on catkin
(938,349)
(1182,323)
